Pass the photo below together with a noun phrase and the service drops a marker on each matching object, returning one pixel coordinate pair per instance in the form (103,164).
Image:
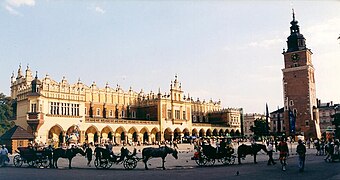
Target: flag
(267,119)
(292,119)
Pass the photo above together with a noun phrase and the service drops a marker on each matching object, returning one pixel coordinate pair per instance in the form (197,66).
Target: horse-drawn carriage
(105,159)
(33,157)
(206,155)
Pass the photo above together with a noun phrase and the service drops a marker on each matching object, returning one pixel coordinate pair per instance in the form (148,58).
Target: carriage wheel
(232,159)
(225,160)
(31,163)
(44,163)
(97,163)
(202,160)
(108,164)
(210,162)
(130,163)
(17,161)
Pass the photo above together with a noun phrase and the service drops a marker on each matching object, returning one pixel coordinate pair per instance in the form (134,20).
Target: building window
(98,112)
(133,114)
(184,115)
(34,108)
(291,103)
(307,123)
(123,114)
(169,114)
(177,114)
(194,118)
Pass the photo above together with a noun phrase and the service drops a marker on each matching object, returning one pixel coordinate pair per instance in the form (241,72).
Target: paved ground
(183,168)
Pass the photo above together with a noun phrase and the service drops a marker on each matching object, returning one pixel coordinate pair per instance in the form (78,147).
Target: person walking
(89,153)
(270,154)
(301,151)
(284,152)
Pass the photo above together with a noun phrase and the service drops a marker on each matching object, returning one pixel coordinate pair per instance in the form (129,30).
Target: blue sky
(220,50)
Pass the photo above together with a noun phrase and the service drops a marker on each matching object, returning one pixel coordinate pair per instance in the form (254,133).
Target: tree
(6,113)
(260,128)
(336,123)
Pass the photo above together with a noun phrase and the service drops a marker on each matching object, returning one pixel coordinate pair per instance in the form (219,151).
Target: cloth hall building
(53,110)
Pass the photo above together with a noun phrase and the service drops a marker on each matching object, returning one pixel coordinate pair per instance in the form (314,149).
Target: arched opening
(110,136)
(91,135)
(155,136)
(55,136)
(168,134)
(227,132)
(208,133)
(72,135)
(221,133)
(145,137)
(202,133)
(194,132)
(145,133)
(106,134)
(95,137)
(237,133)
(215,132)
(120,135)
(232,132)
(134,137)
(177,134)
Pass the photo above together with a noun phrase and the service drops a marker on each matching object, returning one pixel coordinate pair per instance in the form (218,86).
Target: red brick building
(300,103)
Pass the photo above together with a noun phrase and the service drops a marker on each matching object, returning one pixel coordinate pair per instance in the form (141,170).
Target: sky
(220,50)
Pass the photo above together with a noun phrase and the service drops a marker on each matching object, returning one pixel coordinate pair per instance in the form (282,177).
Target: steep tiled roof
(16,132)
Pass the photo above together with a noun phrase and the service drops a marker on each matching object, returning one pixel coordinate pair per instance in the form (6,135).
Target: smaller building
(326,110)
(16,137)
(277,122)
(248,121)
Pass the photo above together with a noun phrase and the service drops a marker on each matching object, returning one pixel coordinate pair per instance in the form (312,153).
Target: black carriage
(33,157)
(105,159)
(206,155)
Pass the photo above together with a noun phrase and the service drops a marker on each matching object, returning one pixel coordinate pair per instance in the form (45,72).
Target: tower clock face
(295,57)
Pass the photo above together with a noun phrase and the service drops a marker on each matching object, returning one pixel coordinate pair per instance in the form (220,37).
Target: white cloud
(12,11)
(11,5)
(99,10)
(18,3)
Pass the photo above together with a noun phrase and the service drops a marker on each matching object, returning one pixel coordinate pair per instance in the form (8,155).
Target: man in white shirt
(270,154)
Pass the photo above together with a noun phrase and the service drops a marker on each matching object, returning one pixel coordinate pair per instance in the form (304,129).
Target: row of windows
(177,114)
(111,113)
(68,109)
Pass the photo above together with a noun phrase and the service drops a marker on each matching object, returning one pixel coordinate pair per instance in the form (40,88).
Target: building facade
(326,110)
(299,87)
(277,122)
(53,110)
(248,121)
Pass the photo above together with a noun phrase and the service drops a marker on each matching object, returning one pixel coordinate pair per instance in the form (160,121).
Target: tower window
(291,103)
(307,123)
(98,112)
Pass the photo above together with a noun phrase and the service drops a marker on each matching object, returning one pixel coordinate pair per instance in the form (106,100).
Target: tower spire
(293,14)
(296,41)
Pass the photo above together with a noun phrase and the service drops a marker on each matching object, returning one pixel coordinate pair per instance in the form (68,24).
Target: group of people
(284,153)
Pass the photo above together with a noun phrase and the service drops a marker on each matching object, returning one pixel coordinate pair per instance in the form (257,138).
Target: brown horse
(244,150)
(162,152)
(66,153)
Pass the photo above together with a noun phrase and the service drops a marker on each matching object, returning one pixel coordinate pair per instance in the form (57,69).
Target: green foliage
(260,128)
(6,113)
(336,123)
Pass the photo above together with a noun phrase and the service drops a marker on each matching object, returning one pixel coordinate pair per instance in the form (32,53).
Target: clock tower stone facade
(301,116)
